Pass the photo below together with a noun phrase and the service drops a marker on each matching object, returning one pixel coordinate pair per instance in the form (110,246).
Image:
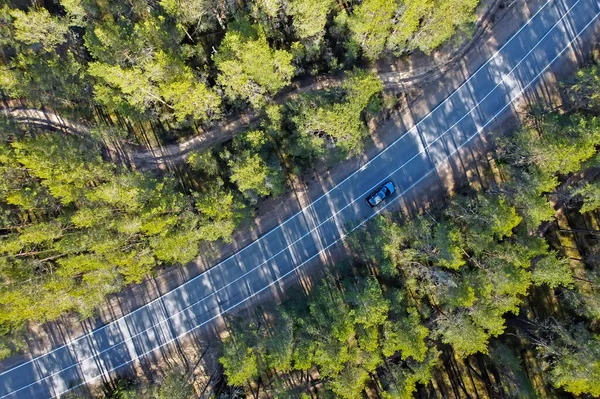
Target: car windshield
(377,197)
(374,200)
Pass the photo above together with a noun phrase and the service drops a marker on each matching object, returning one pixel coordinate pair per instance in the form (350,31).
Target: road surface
(485,95)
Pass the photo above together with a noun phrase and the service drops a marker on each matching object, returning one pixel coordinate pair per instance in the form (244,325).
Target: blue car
(380,194)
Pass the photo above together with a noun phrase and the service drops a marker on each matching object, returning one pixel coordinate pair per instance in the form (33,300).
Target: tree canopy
(249,69)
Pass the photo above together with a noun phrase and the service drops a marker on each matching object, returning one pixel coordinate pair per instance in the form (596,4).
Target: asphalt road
(411,159)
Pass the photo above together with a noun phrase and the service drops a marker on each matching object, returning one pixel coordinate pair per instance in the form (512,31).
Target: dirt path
(46,119)
(398,75)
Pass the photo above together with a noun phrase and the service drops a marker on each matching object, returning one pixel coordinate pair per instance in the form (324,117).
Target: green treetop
(249,69)
(442,22)
(411,14)
(371,24)
(406,334)
(590,194)
(309,16)
(575,359)
(584,93)
(465,336)
(255,167)
(552,271)
(341,121)
(486,218)
(37,26)
(239,361)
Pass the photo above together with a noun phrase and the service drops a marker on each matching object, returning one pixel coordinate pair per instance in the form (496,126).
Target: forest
(492,292)
(81,220)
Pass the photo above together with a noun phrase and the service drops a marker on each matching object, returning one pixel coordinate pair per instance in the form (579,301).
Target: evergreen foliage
(451,281)
(436,288)
(76,228)
(249,69)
